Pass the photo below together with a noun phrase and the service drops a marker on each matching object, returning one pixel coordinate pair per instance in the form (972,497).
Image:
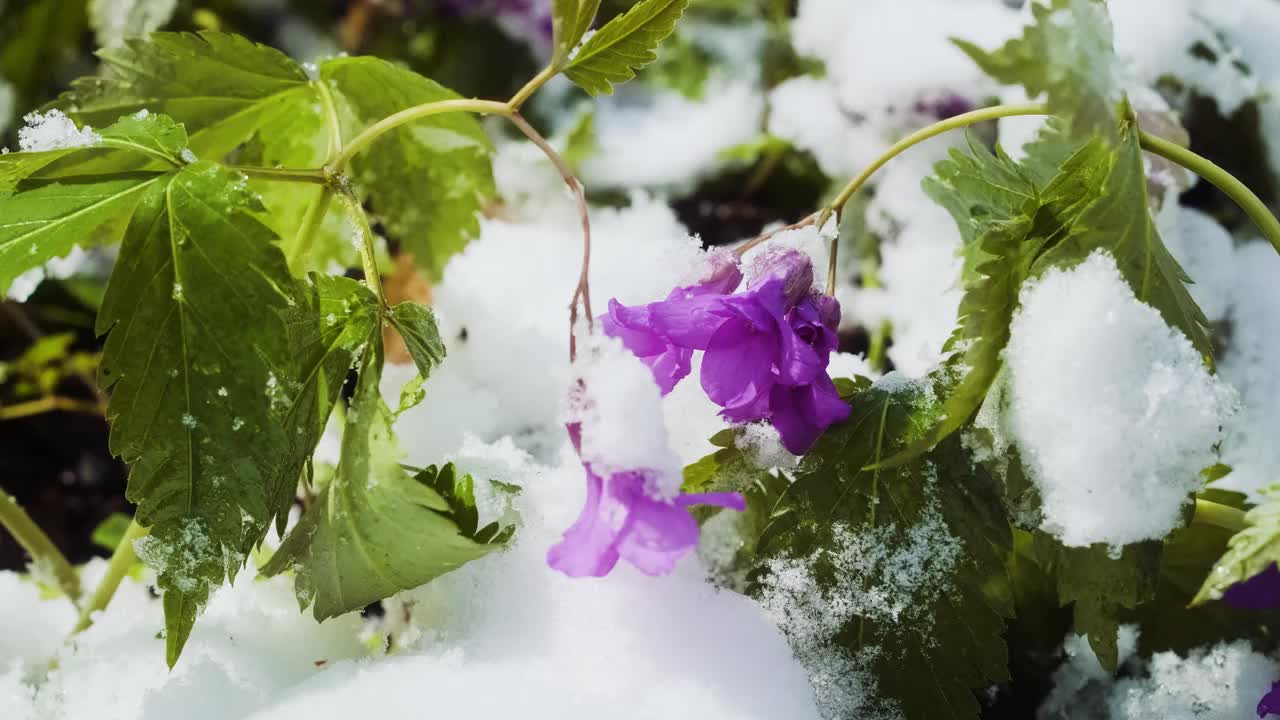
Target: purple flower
(1270,703)
(766,349)
(623,518)
(636,328)
(1260,592)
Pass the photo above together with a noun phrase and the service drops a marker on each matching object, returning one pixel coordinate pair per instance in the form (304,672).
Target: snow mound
(1114,412)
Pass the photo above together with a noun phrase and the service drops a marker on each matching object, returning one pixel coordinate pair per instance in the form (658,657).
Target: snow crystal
(249,644)
(1223,682)
(763,445)
(848,365)
(53,131)
(809,240)
(889,573)
(620,409)
(1076,683)
(1083,374)
(1219,682)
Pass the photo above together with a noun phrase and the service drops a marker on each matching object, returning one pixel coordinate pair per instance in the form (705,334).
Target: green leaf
(1250,551)
(39,225)
(1101,586)
(730,470)
(980,189)
(570,20)
(374,530)
(199,366)
(1119,221)
(927,619)
(109,532)
(131,144)
(327,331)
(1067,54)
(417,325)
(222,87)
(1190,554)
(427,180)
(624,45)
(1007,221)
(581,142)
(36,36)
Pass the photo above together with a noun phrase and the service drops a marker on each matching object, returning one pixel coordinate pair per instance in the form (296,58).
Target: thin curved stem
(306,237)
(44,554)
(49,404)
(746,246)
(1219,515)
(367,258)
(408,115)
(952,123)
(1253,206)
(121,560)
(299,175)
(531,87)
(582,292)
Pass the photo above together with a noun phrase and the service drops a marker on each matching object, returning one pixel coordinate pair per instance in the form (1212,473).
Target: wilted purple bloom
(1270,703)
(622,518)
(635,326)
(1260,592)
(766,349)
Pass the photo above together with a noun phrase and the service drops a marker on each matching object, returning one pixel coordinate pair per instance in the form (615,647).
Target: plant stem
(44,554)
(48,404)
(367,239)
(1219,515)
(582,292)
(417,112)
(298,175)
(121,560)
(1257,210)
(919,136)
(331,116)
(531,87)
(306,237)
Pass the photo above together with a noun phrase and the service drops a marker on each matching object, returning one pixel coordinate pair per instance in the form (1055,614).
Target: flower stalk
(44,554)
(121,560)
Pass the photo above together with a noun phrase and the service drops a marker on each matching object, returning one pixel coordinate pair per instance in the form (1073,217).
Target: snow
(1083,375)
(76,262)
(619,408)
(53,131)
(563,648)
(1218,682)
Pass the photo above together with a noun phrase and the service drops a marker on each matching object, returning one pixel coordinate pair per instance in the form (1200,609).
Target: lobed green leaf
(624,45)
(427,180)
(202,381)
(375,530)
(927,667)
(1067,54)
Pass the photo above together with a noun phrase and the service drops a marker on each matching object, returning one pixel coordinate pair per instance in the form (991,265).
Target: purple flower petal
(737,371)
(802,414)
(587,549)
(656,534)
(621,520)
(1260,592)
(1270,703)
